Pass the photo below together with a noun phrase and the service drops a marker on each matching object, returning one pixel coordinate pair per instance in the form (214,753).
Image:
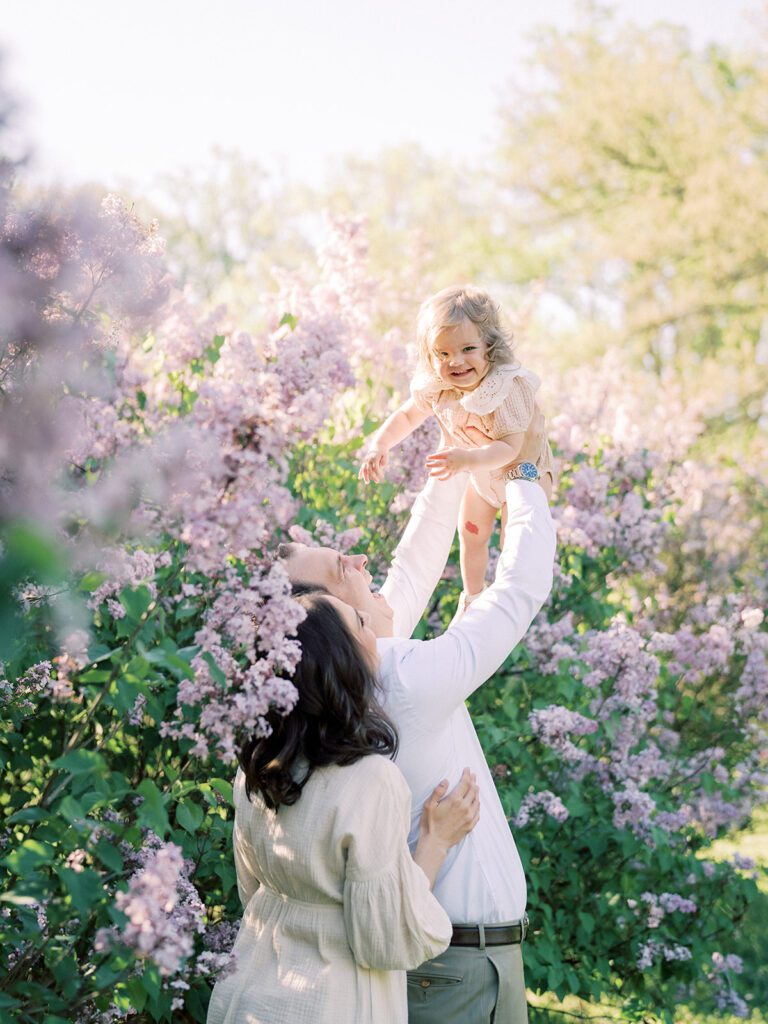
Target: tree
(645,161)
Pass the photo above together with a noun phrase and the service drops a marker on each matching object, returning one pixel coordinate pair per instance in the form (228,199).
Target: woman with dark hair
(336,908)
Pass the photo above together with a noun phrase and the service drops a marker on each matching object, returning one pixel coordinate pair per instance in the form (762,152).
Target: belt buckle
(525,924)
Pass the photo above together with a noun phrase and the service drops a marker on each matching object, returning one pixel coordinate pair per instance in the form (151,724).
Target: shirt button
(425,983)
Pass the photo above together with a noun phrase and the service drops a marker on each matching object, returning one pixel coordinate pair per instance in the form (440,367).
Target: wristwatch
(523,471)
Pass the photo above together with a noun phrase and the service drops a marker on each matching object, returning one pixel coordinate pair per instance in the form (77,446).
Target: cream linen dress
(336,909)
(502,403)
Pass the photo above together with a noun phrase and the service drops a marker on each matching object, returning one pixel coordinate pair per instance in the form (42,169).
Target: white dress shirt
(426,682)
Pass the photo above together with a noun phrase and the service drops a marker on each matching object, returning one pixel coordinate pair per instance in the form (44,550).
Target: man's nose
(359,562)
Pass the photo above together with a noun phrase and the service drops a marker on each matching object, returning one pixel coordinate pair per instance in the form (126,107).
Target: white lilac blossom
(162,907)
(725,997)
(538,804)
(550,643)
(136,714)
(258,616)
(24,693)
(555,725)
(650,951)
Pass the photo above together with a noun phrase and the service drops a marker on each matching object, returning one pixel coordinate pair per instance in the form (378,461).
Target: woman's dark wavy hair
(336,720)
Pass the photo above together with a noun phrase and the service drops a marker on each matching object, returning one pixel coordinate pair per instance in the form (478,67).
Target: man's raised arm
(445,671)
(422,553)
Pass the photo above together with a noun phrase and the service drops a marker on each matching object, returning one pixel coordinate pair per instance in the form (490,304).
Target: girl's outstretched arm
(494,455)
(395,428)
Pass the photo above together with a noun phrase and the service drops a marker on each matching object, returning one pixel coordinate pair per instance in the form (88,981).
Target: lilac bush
(153,454)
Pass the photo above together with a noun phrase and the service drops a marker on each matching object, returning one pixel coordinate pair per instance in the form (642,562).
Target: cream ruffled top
(503,403)
(506,397)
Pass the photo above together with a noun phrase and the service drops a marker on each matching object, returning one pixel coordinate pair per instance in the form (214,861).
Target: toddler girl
(468,378)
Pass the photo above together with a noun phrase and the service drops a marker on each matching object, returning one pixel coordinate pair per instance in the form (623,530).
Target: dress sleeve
(393,921)
(514,414)
(247,882)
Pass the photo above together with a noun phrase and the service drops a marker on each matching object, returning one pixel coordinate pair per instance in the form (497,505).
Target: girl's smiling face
(460,356)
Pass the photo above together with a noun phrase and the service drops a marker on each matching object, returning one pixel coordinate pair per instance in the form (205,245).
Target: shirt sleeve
(422,553)
(514,414)
(393,921)
(440,674)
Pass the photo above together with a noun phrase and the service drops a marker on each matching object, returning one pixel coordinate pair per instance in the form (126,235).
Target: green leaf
(555,976)
(151,812)
(30,855)
(109,855)
(135,602)
(136,992)
(28,815)
(79,762)
(587,922)
(190,816)
(223,787)
(70,809)
(33,554)
(151,980)
(85,887)
(91,581)
(216,672)
(66,973)
(180,668)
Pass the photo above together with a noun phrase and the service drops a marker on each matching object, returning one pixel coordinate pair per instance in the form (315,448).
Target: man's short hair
(299,588)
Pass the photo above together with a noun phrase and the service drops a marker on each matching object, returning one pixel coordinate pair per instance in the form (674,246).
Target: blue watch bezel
(528,471)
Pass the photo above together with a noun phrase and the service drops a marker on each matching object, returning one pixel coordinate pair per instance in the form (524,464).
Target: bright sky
(112,90)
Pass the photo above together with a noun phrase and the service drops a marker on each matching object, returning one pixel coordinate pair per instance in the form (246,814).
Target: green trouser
(468,985)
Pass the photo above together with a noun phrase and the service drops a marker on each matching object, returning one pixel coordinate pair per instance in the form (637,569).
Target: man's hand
(444,463)
(372,466)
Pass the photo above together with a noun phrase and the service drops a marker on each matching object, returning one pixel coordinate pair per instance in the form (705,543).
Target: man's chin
(382,616)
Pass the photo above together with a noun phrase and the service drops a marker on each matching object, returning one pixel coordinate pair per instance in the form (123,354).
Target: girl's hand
(447,819)
(372,466)
(444,463)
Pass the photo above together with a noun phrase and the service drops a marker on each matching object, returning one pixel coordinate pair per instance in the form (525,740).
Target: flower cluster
(726,999)
(162,908)
(543,803)
(555,725)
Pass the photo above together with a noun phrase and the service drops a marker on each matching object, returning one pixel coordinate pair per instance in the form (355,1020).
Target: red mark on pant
(471,528)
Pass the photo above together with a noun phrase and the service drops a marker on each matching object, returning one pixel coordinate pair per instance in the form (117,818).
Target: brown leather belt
(479,935)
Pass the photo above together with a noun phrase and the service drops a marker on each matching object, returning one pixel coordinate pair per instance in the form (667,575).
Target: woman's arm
(395,428)
(445,820)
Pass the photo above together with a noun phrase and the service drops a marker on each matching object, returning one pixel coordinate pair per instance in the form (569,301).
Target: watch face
(529,471)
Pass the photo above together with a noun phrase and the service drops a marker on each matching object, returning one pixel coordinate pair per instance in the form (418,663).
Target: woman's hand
(447,461)
(449,818)
(372,466)
(445,820)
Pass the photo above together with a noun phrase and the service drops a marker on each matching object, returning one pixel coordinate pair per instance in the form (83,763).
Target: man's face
(344,576)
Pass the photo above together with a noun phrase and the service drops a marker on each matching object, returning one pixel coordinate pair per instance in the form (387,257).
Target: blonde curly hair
(452,306)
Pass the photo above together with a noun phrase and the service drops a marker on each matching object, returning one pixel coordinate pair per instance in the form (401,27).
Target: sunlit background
(112,91)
